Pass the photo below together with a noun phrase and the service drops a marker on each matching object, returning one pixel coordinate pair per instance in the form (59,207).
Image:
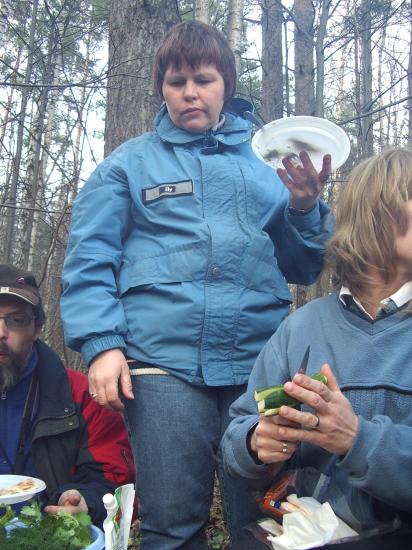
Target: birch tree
(201,10)
(234,29)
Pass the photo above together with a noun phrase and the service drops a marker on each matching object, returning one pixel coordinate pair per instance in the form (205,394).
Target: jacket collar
(55,397)
(235,130)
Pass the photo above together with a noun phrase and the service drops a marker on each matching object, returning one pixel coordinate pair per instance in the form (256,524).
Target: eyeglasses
(16,321)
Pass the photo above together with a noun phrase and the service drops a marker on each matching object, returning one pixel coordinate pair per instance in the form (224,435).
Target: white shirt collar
(219,123)
(400,297)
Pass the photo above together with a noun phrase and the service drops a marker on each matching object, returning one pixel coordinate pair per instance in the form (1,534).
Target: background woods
(75,83)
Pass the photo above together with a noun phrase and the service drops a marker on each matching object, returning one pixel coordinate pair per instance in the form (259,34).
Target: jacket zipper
(127,462)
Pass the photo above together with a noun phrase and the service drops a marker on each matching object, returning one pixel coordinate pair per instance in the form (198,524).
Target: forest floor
(216,531)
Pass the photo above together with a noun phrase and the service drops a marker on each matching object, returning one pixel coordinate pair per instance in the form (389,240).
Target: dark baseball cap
(20,283)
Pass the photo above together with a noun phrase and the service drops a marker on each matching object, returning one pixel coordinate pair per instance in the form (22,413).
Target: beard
(10,373)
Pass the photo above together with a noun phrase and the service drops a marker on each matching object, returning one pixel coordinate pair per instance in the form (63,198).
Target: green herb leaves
(61,532)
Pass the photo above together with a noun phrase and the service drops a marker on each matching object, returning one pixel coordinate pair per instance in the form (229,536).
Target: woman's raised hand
(305,184)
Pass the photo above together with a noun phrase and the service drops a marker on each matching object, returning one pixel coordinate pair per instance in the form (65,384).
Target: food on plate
(25,485)
(287,137)
(270,398)
(289,150)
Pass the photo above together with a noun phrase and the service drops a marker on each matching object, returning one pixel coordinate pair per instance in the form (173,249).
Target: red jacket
(76,443)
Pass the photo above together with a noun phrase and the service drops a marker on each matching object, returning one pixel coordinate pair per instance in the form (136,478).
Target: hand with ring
(266,443)
(331,423)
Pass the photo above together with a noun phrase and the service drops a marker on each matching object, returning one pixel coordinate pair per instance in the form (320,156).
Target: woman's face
(194,97)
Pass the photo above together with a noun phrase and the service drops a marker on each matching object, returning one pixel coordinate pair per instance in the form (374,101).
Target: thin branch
(341,123)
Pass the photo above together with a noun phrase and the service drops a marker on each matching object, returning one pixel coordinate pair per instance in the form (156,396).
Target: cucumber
(270,398)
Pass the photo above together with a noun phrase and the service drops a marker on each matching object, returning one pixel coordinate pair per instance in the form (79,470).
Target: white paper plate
(289,136)
(13,498)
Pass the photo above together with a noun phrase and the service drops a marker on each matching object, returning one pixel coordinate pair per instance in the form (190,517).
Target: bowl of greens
(32,530)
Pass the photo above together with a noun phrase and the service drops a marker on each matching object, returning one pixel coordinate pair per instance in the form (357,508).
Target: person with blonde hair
(351,440)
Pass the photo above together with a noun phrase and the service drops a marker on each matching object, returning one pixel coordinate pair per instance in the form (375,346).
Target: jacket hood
(236,130)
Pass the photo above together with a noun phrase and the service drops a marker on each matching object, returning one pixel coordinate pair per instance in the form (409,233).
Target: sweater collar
(234,131)
(400,298)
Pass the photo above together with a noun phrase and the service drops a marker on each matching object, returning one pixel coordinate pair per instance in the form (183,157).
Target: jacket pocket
(176,266)
(263,276)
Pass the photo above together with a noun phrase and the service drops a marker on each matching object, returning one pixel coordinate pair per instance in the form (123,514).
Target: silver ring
(93,395)
(285,447)
(317,423)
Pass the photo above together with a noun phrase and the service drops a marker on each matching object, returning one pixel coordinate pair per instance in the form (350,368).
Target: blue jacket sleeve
(300,242)
(100,221)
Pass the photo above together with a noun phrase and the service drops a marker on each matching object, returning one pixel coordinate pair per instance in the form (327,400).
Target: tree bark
(304,66)
(135,31)
(234,30)
(366,79)
(9,235)
(410,79)
(320,59)
(34,169)
(201,10)
(272,60)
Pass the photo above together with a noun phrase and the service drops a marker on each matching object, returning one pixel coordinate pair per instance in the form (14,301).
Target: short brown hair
(194,43)
(370,210)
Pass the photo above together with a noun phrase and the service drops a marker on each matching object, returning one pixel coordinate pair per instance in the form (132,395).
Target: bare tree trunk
(341,91)
(201,10)
(381,78)
(9,235)
(304,14)
(79,129)
(366,79)
(234,30)
(34,171)
(304,85)
(272,60)
(357,91)
(136,29)
(410,79)
(287,71)
(320,60)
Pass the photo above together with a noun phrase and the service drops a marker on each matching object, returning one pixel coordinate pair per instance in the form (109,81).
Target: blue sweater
(12,404)
(372,362)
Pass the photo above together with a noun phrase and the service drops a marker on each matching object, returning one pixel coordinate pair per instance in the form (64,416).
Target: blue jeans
(176,429)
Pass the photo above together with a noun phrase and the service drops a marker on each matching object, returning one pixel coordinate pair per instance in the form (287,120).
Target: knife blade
(305,361)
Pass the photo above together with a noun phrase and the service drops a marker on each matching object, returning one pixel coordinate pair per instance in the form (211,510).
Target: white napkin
(301,531)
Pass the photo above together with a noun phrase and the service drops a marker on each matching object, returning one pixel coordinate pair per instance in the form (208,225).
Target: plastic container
(98,539)
(97,535)
(119,509)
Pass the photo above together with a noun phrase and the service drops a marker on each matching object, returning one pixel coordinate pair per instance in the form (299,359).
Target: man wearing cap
(50,428)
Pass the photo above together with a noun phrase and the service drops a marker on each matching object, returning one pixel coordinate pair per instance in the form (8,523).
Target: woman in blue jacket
(181,247)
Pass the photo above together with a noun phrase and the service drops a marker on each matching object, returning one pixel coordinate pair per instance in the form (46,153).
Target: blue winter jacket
(180,252)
